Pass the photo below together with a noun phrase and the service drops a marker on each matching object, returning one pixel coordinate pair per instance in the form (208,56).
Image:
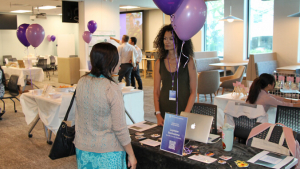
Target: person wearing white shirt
(135,74)
(128,56)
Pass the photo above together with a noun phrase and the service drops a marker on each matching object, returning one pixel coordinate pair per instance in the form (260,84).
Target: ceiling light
(46,7)
(129,7)
(60,14)
(230,18)
(20,11)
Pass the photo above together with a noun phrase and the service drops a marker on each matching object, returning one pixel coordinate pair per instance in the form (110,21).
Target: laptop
(198,127)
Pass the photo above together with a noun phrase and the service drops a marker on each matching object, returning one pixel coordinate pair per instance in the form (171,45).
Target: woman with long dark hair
(3,82)
(165,73)
(258,93)
(102,137)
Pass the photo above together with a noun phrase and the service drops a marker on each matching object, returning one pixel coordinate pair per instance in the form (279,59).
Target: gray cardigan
(100,122)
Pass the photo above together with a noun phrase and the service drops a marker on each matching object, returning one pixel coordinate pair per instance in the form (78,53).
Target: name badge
(172,95)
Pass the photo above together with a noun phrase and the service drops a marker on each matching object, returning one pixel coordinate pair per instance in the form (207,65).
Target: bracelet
(157,112)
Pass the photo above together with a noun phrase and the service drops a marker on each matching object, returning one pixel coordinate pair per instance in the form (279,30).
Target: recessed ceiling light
(60,14)
(129,7)
(20,11)
(46,7)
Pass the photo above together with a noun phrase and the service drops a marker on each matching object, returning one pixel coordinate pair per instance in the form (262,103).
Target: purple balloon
(35,34)
(168,7)
(21,34)
(92,26)
(189,18)
(53,38)
(49,38)
(87,36)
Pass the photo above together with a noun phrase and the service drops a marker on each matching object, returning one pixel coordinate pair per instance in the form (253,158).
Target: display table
(35,73)
(222,100)
(153,157)
(52,111)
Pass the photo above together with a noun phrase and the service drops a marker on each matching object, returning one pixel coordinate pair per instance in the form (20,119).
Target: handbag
(63,145)
(276,139)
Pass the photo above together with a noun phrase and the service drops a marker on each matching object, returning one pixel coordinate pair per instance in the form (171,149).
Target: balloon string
(177,67)
(184,54)
(30,69)
(172,18)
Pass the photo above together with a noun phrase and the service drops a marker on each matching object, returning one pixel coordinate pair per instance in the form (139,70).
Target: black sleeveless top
(184,92)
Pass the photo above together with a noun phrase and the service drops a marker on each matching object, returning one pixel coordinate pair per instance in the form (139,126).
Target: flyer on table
(173,133)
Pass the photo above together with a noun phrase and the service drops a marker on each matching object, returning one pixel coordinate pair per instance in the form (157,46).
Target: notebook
(198,126)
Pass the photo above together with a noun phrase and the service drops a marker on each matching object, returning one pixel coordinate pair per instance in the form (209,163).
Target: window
(261,20)
(213,28)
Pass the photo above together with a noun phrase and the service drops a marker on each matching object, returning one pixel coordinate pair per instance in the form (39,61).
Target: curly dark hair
(188,48)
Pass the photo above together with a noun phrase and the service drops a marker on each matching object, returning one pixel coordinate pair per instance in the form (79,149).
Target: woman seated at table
(258,93)
(2,82)
(101,131)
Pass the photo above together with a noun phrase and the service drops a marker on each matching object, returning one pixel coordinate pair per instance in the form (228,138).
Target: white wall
(10,45)
(286,32)
(233,32)
(153,22)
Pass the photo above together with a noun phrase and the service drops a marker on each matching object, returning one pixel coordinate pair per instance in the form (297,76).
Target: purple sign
(173,134)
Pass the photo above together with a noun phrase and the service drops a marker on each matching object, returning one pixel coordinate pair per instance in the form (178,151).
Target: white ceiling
(10,5)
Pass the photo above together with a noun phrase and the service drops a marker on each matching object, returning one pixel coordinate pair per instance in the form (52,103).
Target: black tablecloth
(154,158)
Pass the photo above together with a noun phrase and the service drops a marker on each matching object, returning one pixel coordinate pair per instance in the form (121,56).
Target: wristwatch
(156,113)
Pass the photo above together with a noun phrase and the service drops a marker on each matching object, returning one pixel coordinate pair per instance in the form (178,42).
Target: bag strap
(290,140)
(70,106)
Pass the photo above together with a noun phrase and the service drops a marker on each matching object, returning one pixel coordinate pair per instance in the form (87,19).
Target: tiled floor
(19,151)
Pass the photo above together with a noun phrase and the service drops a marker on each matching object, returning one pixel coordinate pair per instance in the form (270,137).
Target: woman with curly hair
(165,73)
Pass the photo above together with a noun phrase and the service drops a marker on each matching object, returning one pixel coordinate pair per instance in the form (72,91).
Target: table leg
(35,121)
(25,82)
(153,62)
(145,68)
(48,134)
(224,71)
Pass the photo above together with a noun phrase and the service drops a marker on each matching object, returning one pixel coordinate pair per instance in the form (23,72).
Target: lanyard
(173,73)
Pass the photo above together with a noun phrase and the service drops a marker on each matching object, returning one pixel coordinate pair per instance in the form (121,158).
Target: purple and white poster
(173,134)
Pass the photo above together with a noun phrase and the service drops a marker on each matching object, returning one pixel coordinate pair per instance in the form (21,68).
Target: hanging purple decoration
(21,34)
(35,34)
(49,38)
(189,18)
(87,36)
(168,7)
(92,26)
(53,38)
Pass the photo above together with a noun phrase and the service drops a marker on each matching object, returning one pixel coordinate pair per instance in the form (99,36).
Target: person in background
(2,84)
(165,73)
(128,56)
(258,93)
(136,71)
(102,137)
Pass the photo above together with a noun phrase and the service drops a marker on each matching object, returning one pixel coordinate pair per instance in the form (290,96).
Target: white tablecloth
(35,73)
(52,111)
(222,100)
